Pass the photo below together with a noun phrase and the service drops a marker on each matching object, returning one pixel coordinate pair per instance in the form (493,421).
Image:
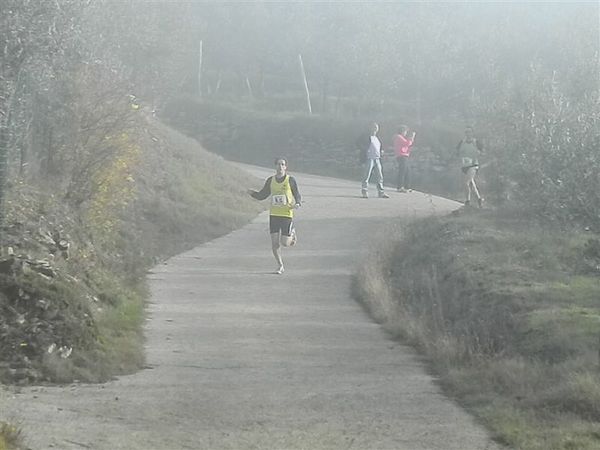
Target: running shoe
(279,271)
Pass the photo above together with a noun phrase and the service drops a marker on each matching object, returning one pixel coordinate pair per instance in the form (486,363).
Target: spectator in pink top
(402,147)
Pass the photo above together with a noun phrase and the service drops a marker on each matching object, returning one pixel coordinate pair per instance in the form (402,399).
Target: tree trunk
(325,94)
(200,71)
(50,151)
(24,146)
(338,102)
(418,104)
(249,87)
(3,165)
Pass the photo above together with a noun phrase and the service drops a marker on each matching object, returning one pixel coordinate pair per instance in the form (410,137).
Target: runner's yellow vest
(281,198)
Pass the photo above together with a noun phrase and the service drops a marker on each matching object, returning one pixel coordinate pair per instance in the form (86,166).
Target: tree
(32,39)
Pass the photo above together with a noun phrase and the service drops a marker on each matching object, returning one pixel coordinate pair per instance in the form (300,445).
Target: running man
(285,197)
(468,150)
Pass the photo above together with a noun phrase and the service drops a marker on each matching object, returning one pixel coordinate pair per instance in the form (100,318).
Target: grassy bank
(78,314)
(10,437)
(507,310)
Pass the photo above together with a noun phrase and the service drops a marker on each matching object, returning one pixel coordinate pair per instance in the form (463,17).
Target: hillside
(72,285)
(505,307)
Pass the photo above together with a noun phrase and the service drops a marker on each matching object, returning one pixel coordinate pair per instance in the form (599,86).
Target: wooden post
(325,94)
(305,84)
(249,87)
(418,106)
(200,71)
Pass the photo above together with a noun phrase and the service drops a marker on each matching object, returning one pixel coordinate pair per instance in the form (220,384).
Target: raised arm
(264,192)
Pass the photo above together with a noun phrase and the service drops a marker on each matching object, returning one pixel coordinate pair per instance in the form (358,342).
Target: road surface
(241,358)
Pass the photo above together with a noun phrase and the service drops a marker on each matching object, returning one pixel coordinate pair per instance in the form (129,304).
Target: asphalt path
(241,358)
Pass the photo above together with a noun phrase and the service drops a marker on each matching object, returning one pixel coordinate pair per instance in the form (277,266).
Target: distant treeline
(525,75)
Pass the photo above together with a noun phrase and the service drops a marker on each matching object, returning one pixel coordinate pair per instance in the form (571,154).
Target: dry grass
(508,313)
(10,437)
(183,196)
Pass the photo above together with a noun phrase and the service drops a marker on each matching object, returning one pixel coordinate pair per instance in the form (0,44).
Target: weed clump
(10,437)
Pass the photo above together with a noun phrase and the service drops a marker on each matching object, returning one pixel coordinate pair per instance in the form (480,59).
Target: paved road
(241,358)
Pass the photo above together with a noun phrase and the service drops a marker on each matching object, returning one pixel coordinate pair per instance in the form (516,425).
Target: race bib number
(279,200)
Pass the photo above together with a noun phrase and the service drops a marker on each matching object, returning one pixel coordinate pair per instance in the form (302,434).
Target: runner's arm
(295,191)
(264,192)
(458,146)
(479,145)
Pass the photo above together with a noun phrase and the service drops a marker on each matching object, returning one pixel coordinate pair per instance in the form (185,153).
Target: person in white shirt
(370,156)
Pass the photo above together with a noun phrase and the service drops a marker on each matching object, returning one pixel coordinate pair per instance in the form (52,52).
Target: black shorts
(465,169)
(283,224)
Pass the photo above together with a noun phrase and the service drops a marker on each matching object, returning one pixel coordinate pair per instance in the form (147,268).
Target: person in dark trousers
(402,148)
(285,198)
(370,157)
(468,150)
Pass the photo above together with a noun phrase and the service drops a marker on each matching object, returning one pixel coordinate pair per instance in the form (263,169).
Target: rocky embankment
(38,327)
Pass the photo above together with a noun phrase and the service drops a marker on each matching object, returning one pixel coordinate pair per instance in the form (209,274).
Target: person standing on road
(370,157)
(468,150)
(285,197)
(402,148)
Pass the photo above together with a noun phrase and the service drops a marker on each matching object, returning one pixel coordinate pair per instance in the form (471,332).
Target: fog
(467,62)
(436,53)
(98,183)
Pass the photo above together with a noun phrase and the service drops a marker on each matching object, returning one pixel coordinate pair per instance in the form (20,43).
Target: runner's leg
(288,235)
(275,237)
(379,175)
(407,175)
(472,186)
(400,175)
(475,190)
(275,231)
(468,177)
(367,169)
